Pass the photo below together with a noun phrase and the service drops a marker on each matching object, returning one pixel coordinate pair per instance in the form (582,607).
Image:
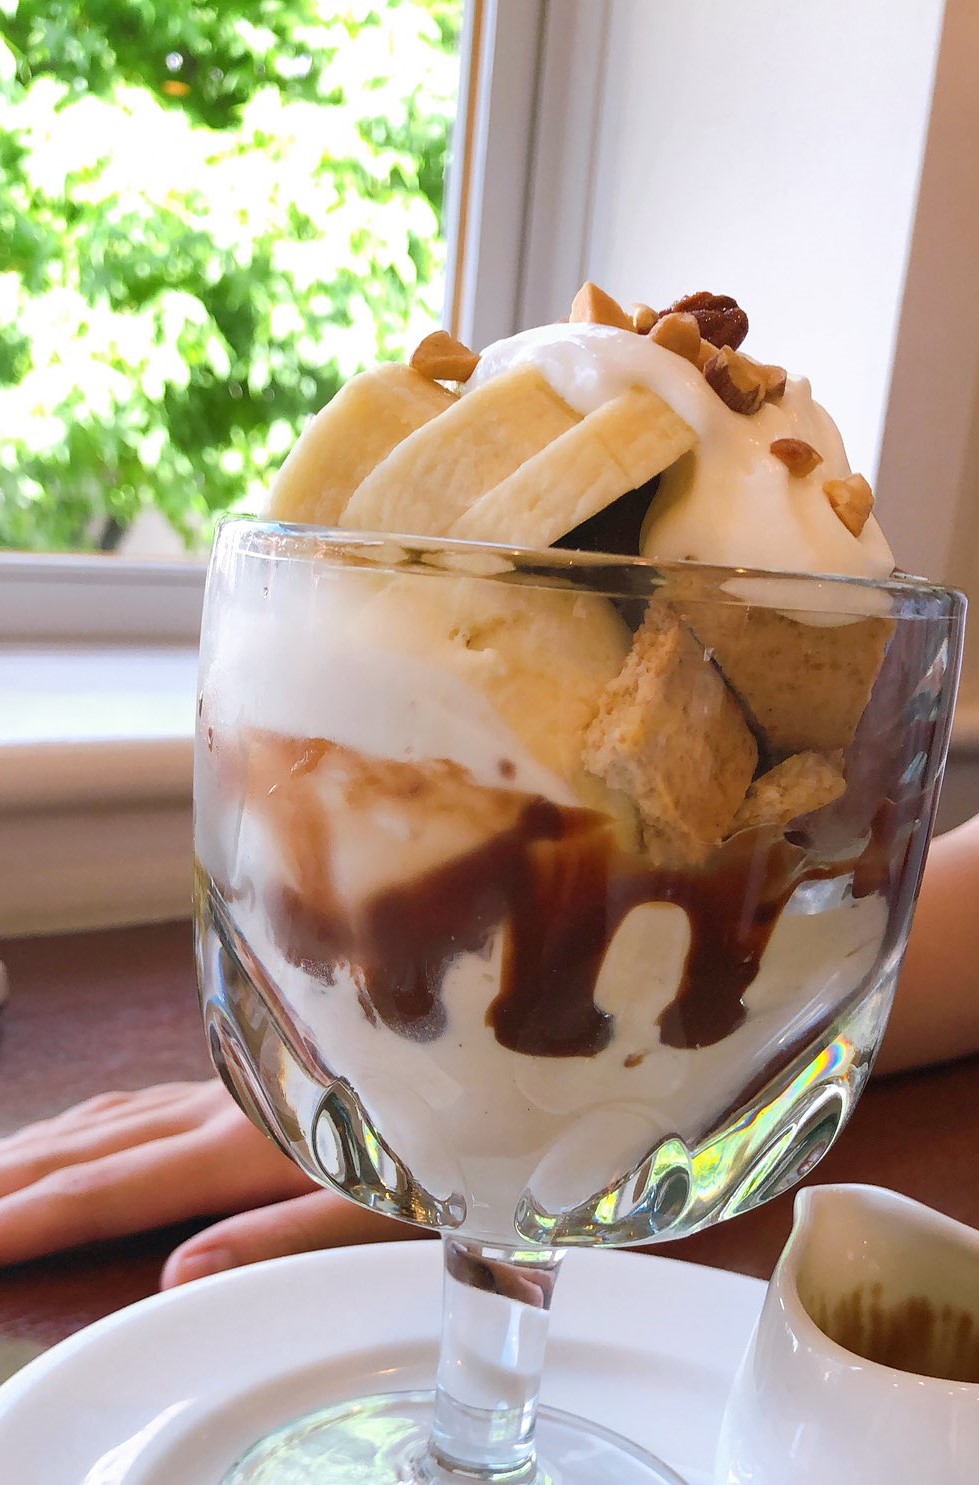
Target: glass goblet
(547,900)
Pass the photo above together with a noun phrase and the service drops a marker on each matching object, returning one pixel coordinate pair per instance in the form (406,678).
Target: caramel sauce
(912,1335)
(552,877)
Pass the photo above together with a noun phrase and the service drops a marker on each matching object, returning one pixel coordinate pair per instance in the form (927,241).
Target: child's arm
(936,1011)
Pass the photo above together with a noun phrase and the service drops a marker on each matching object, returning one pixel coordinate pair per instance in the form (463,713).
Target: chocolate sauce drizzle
(553,878)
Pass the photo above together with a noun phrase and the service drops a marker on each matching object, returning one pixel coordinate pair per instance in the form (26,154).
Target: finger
(106,1108)
(44,1150)
(321,1220)
(150,1185)
(103,1105)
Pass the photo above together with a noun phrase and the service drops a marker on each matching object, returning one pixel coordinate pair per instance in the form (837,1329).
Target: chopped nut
(799,457)
(443,359)
(852,499)
(736,380)
(721,319)
(775,377)
(592,306)
(678,333)
(643,318)
(705,354)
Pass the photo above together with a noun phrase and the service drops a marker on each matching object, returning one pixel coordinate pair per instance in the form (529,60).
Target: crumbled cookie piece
(669,734)
(796,786)
(805,685)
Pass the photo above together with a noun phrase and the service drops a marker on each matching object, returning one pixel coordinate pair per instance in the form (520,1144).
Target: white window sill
(95,724)
(96,746)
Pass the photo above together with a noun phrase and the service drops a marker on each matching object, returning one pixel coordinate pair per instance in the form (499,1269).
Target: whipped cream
(730,502)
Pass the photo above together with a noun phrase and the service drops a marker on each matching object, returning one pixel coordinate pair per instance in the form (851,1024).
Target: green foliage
(210,216)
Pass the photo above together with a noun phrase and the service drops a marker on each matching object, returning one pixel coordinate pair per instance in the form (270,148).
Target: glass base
(383,1441)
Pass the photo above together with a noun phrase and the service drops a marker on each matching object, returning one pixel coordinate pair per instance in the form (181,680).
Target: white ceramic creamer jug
(864,1366)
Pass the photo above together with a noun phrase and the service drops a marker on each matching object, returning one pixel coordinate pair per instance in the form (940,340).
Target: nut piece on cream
(679,333)
(592,306)
(852,499)
(443,358)
(799,457)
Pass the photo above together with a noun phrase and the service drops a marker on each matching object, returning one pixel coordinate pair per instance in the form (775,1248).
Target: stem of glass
(494,1334)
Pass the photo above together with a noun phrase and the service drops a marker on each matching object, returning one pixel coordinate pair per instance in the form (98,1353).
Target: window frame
(75,598)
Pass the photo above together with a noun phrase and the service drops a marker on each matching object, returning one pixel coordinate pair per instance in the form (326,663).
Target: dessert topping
(721,319)
(775,379)
(444,359)
(643,318)
(738,382)
(799,457)
(679,333)
(852,499)
(592,306)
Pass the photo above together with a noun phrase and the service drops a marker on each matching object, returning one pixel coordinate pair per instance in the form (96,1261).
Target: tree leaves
(210,216)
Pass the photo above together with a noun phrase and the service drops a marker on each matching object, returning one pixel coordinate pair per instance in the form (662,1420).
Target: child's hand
(127,1162)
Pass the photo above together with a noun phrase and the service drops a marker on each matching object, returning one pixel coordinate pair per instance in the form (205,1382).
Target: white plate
(174,1388)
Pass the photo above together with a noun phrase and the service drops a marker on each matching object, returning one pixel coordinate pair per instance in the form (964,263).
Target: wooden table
(119,1010)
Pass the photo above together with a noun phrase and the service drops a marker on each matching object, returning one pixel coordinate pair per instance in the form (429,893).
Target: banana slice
(348,437)
(613,450)
(428,481)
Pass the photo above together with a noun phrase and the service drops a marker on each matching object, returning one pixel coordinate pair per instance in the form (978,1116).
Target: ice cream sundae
(532,873)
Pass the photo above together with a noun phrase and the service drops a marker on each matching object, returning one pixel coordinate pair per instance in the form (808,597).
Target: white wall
(819,159)
(930,465)
(770,150)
